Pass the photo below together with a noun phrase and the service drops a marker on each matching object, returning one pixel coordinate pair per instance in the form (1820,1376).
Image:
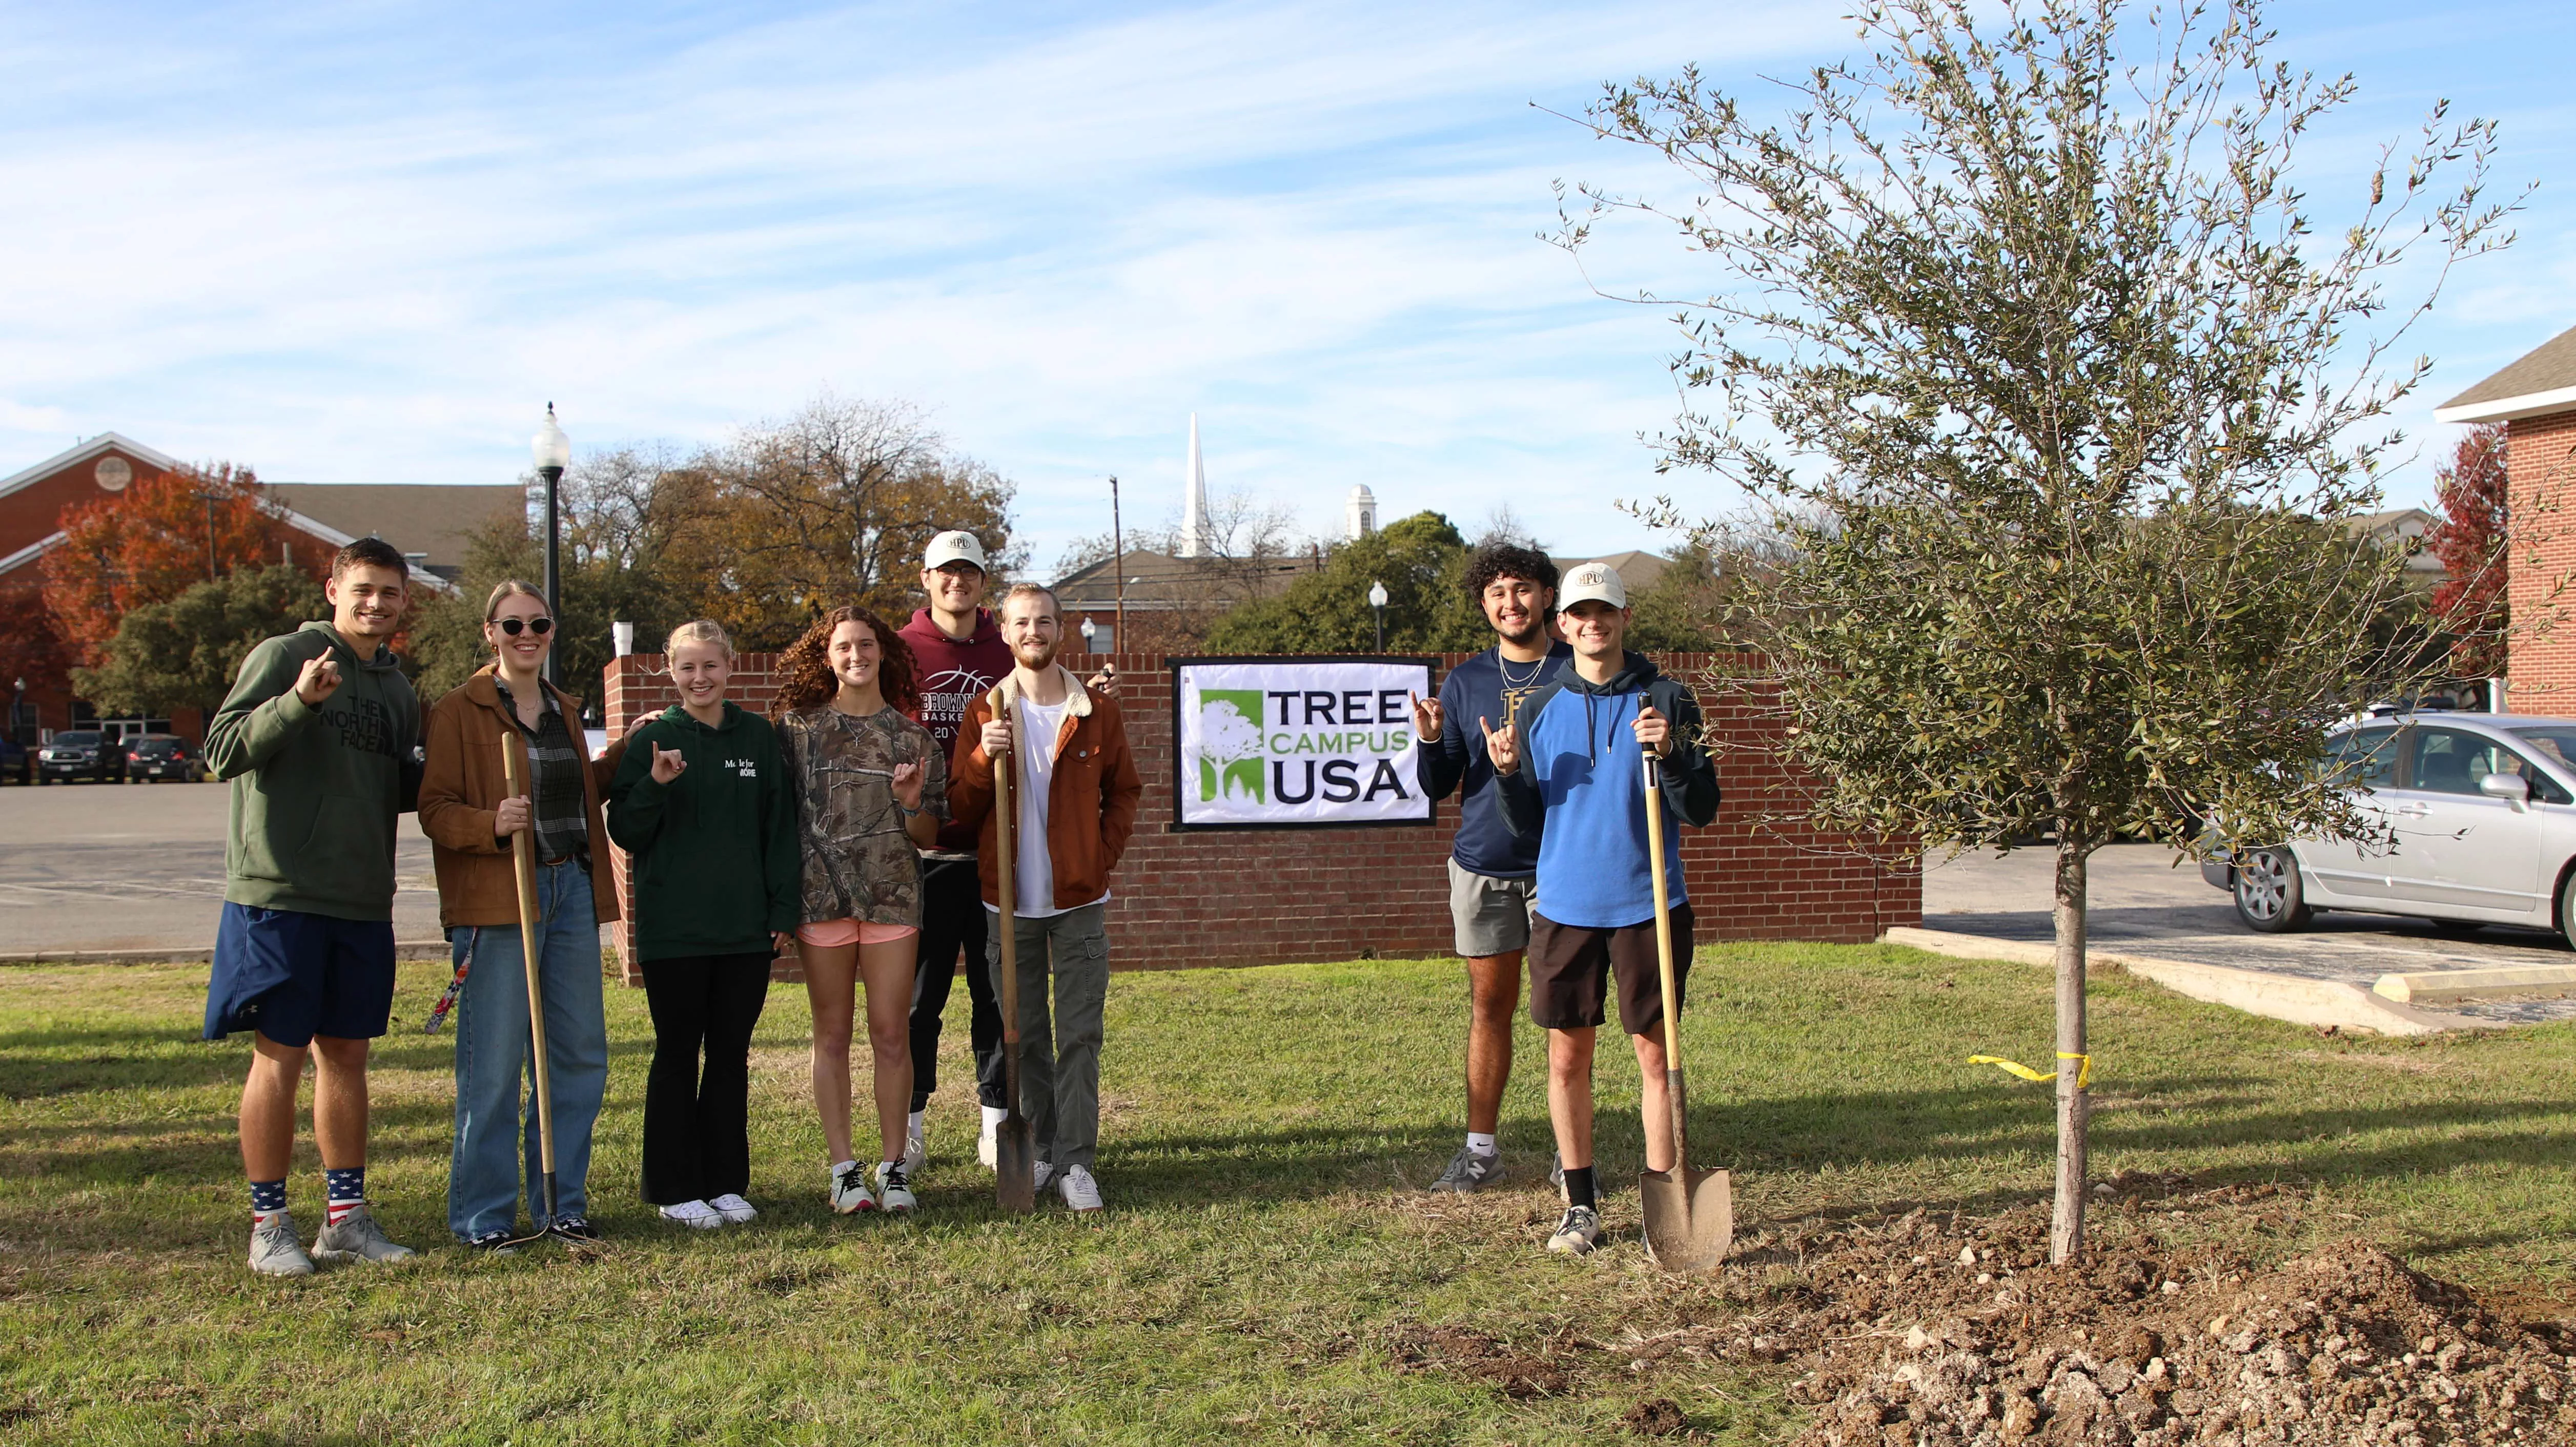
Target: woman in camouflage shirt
(871,789)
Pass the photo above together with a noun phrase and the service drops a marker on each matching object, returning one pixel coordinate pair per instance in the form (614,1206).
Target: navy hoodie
(1580,792)
(1483,687)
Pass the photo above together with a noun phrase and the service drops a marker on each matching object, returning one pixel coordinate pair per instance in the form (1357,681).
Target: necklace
(1504,666)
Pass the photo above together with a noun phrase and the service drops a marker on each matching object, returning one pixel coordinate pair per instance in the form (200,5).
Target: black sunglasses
(539,626)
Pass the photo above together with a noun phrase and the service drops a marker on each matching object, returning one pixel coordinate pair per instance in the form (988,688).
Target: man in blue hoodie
(1570,770)
(1490,868)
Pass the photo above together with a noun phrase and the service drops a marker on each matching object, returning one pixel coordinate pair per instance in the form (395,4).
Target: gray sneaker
(1470,1171)
(1577,1233)
(357,1237)
(274,1250)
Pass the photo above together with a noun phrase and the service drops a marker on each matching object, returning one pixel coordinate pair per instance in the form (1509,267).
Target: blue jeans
(496,1112)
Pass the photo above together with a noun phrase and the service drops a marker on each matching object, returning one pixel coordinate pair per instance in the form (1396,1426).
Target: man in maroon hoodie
(961,656)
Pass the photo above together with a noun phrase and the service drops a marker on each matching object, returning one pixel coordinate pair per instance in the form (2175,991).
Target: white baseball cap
(1592,582)
(953,547)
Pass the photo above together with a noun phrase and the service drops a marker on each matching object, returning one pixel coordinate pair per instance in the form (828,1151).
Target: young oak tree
(2066,405)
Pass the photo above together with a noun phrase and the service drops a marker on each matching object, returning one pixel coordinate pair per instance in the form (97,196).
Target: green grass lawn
(1266,1250)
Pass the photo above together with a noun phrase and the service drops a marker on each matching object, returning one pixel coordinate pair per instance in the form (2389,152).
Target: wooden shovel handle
(1005,818)
(523,863)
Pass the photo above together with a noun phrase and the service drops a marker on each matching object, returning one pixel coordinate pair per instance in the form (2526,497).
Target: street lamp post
(1377,603)
(1090,630)
(553,453)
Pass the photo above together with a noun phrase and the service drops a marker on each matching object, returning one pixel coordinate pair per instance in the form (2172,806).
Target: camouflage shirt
(859,863)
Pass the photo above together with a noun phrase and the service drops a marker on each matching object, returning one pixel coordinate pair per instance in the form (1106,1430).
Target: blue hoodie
(1483,687)
(1581,791)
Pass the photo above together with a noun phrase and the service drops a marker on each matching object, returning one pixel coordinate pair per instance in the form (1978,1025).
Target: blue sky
(368,242)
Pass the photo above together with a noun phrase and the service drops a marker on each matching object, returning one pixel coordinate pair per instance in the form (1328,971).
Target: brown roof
(432,518)
(2542,380)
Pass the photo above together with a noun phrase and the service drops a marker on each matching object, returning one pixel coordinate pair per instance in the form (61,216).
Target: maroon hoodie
(953,675)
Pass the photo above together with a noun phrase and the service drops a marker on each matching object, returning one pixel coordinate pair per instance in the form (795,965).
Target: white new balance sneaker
(1081,1192)
(733,1208)
(850,1189)
(696,1215)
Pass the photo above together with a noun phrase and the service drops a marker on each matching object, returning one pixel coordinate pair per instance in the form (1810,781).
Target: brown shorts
(1571,968)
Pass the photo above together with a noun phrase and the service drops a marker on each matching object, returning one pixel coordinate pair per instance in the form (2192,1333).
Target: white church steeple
(1198,535)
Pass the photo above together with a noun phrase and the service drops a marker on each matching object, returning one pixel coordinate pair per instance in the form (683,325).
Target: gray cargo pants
(1059,1054)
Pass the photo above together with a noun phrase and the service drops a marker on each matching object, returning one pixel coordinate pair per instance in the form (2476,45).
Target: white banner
(1289,742)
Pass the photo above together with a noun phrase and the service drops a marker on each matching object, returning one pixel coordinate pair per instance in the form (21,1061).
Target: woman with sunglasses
(470,815)
(872,791)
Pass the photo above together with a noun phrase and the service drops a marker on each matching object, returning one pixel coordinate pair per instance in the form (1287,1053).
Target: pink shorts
(834,933)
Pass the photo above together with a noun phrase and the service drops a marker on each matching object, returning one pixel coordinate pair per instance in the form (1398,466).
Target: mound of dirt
(1929,1334)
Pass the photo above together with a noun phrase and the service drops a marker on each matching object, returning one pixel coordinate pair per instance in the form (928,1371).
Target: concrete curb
(2334,1004)
(2434,987)
(403,950)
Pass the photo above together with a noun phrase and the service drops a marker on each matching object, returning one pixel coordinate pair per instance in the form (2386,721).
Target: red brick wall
(1272,896)
(2540,468)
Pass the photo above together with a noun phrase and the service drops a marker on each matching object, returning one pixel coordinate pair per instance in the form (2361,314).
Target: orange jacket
(1091,799)
(461,788)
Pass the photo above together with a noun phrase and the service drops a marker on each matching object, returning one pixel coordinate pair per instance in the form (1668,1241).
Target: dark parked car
(154,757)
(78,754)
(17,761)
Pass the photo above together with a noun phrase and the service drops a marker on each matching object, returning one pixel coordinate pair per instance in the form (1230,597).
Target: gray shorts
(1491,916)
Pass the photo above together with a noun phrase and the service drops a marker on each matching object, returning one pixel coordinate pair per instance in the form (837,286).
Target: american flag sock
(347,1191)
(267,1198)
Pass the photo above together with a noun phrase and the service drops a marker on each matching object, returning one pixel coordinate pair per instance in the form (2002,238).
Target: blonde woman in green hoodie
(702,804)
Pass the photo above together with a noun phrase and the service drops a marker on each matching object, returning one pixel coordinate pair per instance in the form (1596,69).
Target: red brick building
(2535,398)
(429,523)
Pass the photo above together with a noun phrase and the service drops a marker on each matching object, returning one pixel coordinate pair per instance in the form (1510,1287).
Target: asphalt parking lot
(140,867)
(2144,902)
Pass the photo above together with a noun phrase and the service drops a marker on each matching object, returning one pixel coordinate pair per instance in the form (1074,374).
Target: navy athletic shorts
(291,975)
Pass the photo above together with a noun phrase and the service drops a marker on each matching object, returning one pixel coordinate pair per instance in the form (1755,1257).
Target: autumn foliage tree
(148,544)
(2470,601)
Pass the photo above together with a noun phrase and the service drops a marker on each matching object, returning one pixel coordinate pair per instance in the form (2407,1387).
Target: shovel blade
(1015,1165)
(1690,1217)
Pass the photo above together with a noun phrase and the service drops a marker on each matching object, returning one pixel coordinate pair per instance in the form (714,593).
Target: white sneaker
(916,1150)
(894,1192)
(696,1215)
(733,1208)
(850,1188)
(988,1146)
(1041,1173)
(1081,1192)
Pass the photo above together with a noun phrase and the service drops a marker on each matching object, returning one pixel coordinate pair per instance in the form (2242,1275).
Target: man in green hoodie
(317,740)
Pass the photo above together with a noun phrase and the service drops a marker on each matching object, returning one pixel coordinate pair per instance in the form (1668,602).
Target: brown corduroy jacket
(1091,800)
(461,789)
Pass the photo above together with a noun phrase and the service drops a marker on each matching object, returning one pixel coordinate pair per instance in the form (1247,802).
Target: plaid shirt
(555,758)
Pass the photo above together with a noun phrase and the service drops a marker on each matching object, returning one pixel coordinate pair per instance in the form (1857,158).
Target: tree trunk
(2066,1227)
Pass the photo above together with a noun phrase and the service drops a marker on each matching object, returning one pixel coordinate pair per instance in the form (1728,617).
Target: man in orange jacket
(1076,789)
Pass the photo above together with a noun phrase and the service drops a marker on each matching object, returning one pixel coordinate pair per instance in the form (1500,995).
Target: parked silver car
(2483,810)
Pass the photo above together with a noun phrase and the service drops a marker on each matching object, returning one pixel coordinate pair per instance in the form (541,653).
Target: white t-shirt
(1037,726)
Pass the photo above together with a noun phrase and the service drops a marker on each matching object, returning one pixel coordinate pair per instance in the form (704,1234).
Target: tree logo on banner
(1230,750)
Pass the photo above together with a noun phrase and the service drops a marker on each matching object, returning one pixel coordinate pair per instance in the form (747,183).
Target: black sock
(1578,1186)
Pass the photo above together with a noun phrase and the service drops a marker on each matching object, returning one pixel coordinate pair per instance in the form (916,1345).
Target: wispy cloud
(370,243)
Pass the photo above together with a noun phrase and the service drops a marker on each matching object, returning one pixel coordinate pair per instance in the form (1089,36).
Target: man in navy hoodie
(1491,869)
(961,655)
(1569,770)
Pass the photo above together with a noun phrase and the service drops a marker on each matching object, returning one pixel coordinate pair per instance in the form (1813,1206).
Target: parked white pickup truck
(2483,809)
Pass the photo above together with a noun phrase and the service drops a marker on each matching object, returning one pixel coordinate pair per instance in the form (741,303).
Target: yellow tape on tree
(2083,1067)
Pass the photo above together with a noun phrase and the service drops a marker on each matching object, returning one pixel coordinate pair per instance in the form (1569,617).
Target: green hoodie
(716,868)
(316,791)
